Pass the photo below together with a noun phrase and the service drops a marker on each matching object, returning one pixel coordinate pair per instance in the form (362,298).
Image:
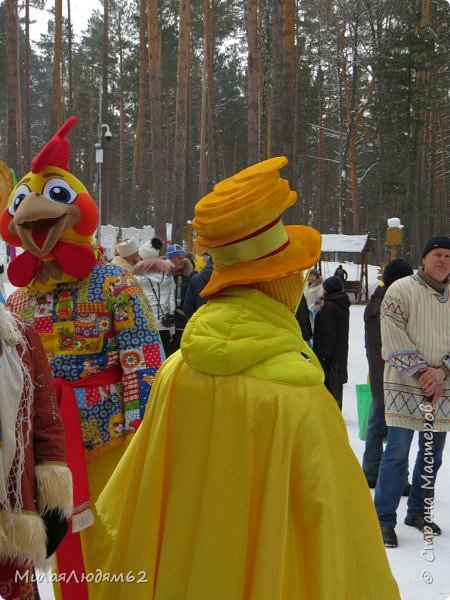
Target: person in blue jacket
(192,299)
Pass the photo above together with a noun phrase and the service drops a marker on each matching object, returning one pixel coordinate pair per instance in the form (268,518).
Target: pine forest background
(355,92)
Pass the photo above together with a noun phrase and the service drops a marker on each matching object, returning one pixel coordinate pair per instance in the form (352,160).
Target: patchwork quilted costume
(96,327)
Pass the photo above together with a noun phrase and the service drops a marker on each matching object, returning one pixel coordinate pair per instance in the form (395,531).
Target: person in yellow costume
(240,483)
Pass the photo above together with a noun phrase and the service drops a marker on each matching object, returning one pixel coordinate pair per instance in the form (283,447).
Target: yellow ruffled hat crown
(239,222)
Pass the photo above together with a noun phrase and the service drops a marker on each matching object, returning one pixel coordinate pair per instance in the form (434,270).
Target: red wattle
(75,260)
(23,269)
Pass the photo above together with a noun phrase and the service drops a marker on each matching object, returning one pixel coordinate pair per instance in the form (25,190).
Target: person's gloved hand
(56,526)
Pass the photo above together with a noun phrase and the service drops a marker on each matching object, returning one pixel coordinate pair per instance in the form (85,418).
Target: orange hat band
(261,244)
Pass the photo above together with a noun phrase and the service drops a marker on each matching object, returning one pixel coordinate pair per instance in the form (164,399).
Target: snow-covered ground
(421,575)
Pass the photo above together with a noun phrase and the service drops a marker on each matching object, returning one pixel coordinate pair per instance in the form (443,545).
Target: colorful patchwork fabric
(88,326)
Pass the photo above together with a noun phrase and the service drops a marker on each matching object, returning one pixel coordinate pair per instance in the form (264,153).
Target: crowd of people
(180,417)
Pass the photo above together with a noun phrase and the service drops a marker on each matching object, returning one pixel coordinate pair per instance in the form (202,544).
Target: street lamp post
(103,130)
(99,161)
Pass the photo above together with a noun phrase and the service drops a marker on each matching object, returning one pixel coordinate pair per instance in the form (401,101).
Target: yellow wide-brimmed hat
(239,222)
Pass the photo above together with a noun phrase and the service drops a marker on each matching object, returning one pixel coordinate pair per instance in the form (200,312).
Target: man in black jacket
(192,299)
(377,429)
(330,342)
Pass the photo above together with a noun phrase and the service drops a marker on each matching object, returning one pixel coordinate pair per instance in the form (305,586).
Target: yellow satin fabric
(243,486)
(251,249)
(220,498)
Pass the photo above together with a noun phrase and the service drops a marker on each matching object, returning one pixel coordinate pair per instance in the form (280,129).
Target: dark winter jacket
(182,279)
(331,327)
(192,299)
(302,316)
(372,336)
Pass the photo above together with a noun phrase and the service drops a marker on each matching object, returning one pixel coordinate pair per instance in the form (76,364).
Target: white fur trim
(23,537)
(54,488)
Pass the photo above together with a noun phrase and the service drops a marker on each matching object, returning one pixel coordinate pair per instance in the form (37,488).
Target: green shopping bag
(363,404)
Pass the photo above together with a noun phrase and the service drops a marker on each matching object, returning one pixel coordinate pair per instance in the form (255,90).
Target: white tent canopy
(336,242)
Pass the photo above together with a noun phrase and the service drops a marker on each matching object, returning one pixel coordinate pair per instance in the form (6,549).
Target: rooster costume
(96,326)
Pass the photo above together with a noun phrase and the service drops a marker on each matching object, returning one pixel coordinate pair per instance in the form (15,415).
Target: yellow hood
(245,330)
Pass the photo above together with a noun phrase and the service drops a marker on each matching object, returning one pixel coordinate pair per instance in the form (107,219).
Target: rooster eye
(19,195)
(59,190)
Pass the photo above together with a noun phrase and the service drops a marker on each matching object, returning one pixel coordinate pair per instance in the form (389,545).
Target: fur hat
(333,284)
(239,223)
(396,269)
(175,250)
(147,250)
(152,265)
(438,241)
(127,247)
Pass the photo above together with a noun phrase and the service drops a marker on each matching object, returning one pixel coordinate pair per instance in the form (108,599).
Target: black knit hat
(438,241)
(396,269)
(333,284)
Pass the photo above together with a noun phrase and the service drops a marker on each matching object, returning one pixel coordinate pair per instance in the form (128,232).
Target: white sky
(80,11)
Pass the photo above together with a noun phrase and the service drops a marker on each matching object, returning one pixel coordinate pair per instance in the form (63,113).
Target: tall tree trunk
(207,169)
(181,121)
(69,58)
(265,80)
(106,198)
(138,180)
(422,184)
(211,159)
(441,167)
(318,212)
(202,172)
(156,120)
(26,92)
(284,78)
(12,82)
(125,208)
(253,81)
(57,104)
(344,102)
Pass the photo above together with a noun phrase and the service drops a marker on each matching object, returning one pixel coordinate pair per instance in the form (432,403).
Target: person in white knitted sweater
(415,335)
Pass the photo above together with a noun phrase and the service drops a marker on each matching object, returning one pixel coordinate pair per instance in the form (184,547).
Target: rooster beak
(40,222)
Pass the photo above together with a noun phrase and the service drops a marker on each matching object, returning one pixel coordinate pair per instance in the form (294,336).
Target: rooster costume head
(51,215)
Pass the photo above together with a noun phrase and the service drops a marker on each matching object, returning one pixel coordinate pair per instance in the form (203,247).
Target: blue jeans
(376,432)
(393,467)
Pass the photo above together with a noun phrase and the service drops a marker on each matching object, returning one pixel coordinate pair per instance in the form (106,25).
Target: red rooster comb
(56,151)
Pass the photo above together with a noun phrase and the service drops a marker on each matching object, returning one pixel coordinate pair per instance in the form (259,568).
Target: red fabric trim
(69,553)
(251,235)
(111,375)
(71,568)
(76,459)
(277,251)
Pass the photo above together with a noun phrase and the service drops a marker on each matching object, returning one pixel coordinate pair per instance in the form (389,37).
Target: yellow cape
(240,483)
